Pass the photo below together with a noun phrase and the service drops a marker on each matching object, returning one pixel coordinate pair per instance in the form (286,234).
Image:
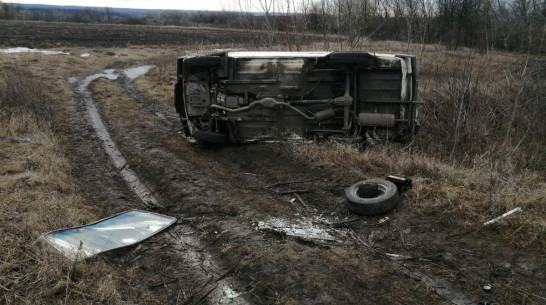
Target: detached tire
(384,199)
(210,137)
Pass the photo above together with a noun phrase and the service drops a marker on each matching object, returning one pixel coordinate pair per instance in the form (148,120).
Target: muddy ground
(220,194)
(217,253)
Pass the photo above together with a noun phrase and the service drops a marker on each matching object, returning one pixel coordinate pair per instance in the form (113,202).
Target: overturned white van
(251,96)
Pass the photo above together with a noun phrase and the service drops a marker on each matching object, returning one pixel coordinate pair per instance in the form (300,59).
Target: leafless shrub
(482,106)
(20,91)
(165,67)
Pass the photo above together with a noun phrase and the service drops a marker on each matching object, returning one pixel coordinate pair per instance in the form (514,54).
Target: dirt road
(218,252)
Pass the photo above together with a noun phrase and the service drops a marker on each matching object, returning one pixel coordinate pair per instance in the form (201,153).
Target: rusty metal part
(376,119)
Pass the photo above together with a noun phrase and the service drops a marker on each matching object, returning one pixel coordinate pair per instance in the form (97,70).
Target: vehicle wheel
(203,61)
(372,197)
(339,138)
(352,58)
(210,137)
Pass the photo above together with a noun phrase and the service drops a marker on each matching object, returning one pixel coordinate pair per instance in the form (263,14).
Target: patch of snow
(133,73)
(85,55)
(27,50)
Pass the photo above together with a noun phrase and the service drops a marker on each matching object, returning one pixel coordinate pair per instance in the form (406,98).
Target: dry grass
(38,193)
(472,195)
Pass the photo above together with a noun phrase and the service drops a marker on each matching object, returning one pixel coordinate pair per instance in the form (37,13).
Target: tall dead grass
(472,195)
(484,106)
(37,195)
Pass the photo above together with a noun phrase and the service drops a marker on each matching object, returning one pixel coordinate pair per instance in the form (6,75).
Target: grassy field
(37,187)
(490,161)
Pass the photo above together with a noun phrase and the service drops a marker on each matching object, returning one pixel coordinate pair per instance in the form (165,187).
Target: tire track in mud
(410,270)
(438,286)
(220,290)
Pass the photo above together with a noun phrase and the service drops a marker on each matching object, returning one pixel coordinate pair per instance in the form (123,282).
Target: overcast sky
(211,5)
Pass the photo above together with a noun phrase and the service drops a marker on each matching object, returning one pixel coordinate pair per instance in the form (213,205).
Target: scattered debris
(230,293)
(487,288)
(403,183)
(383,220)
(398,256)
(122,230)
(289,182)
(341,223)
(10,139)
(292,191)
(85,55)
(512,211)
(304,230)
(301,201)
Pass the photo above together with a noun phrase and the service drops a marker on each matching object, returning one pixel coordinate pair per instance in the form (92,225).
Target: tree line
(513,25)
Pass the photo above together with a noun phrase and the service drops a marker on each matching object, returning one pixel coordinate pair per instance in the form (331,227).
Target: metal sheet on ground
(111,233)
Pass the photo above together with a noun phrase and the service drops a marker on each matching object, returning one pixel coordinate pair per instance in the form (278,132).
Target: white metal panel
(111,233)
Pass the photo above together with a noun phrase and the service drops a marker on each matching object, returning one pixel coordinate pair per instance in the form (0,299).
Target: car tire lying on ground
(210,137)
(372,197)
